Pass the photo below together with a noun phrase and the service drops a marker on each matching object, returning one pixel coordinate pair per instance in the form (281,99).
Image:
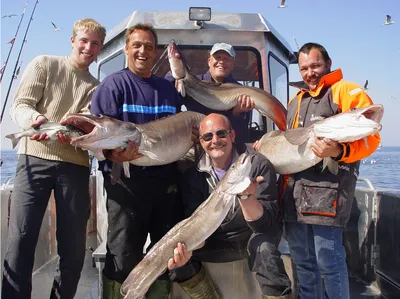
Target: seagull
(282,4)
(393,97)
(388,20)
(366,85)
(9,16)
(55,27)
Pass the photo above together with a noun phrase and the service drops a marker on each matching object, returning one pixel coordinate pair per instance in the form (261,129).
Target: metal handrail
(7,182)
(368,182)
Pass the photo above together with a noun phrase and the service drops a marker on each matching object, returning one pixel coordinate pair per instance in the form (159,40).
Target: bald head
(212,118)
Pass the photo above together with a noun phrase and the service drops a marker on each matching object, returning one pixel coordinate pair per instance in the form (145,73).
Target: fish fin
(297,136)
(126,169)
(98,154)
(240,187)
(116,172)
(14,139)
(332,165)
(151,156)
(366,142)
(181,88)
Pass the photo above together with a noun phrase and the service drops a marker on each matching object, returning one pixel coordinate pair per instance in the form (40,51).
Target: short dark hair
(144,27)
(306,48)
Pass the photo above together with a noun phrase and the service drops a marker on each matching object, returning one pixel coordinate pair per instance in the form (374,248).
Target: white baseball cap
(223,47)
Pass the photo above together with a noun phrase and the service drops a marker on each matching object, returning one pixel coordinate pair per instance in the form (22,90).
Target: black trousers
(261,251)
(34,181)
(137,207)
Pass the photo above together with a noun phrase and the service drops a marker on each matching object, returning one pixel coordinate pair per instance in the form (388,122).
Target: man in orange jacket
(315,233)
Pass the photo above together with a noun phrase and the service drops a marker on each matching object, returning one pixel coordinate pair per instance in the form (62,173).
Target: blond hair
(144,27)
(89,25)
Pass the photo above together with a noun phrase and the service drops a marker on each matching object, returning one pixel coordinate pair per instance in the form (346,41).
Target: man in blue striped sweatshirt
(148,201)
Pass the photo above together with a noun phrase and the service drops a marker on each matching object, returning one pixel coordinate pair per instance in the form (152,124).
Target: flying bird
(55,27)
(388,20)
(366,85)
(282,4)
(9,16)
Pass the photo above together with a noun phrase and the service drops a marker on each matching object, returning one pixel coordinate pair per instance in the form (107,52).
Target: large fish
(192,231)
(160,142)
(290,151)
(224,96)
(50,128)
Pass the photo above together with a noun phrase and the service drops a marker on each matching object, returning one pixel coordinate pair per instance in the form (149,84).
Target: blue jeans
(317,251)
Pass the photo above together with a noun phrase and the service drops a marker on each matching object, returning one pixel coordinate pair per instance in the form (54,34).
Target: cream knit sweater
(53,87)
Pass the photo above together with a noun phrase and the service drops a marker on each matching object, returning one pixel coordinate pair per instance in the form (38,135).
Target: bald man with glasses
(250,231)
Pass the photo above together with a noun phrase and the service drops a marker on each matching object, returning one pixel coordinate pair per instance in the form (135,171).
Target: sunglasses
(220,134)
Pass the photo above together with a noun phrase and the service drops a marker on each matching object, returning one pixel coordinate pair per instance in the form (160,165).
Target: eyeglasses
(220,134)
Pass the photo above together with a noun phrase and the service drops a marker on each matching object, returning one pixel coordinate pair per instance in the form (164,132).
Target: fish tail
(15,138)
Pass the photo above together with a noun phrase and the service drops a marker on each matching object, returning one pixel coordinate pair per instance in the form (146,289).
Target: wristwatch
(244,196)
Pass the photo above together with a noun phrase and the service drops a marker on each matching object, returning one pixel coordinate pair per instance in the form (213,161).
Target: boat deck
(89,284)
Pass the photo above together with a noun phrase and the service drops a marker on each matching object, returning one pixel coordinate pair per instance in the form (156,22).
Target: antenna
(16,63)
(12,44)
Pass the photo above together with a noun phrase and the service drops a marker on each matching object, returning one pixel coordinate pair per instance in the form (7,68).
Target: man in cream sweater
(51,88)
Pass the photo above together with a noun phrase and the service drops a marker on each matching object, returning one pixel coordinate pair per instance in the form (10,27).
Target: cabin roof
(180,20)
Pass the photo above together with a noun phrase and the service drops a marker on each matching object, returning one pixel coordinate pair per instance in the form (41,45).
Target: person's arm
(23,110)
(348,96)
(261,211)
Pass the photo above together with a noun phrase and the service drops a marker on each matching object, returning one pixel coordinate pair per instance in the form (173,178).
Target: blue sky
(352,32)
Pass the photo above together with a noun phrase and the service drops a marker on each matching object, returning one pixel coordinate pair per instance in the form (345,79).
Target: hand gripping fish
(290,151)
(50,128)
(192,231)
(161,141)
(224,96)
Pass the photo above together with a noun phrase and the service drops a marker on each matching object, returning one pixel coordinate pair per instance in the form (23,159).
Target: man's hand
(256,145)
(41,119)
(120,154)
(326,148)
(244,104)
(181,255)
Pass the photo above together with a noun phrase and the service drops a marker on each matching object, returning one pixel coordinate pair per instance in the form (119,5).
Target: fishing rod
(16,63)
(13,42)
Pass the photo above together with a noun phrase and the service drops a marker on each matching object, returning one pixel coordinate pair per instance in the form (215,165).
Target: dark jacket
(199,181)
(316,196)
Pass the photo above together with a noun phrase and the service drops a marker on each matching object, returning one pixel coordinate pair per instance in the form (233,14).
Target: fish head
(176,61)
(237,178)
(102,132)
(351,125)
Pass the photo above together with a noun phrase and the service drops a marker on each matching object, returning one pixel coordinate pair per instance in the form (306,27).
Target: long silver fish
(161,141)
(290,151)
(50,128)
(222,96)
(192,231)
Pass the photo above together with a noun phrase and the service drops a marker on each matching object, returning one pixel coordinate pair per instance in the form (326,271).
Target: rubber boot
(160,289)
(111,289)
(200,286)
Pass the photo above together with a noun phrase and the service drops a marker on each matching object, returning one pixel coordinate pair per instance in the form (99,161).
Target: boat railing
(7,182)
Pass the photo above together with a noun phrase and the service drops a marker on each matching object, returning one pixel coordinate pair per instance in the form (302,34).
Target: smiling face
(141,51)
(221,64)
(86,45)
(219,149)
(313,67)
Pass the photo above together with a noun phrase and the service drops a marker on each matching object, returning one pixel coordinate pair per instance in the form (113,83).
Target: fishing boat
(262,60)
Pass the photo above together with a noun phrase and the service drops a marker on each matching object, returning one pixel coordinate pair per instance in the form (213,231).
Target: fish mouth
(84,123)
(373,112)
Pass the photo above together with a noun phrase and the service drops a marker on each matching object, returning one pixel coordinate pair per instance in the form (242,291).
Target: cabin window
(111,65)
(278,78)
